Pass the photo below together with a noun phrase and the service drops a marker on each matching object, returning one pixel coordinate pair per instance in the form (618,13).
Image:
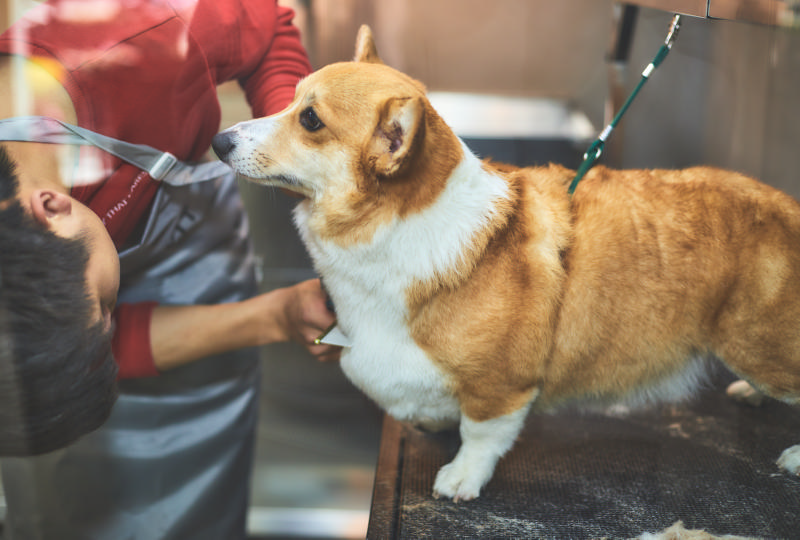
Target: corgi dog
(473,293)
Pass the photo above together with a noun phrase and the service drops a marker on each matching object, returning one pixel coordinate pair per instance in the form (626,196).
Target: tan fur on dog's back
(609,293)
(669,263)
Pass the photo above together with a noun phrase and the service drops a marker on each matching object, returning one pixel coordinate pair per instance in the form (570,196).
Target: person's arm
(255,43)
(271,85)
(182,334)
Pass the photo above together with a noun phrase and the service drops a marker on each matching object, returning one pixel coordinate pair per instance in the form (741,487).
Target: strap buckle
(162,166)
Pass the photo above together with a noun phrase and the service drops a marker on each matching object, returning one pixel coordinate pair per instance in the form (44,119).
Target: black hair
(57,372)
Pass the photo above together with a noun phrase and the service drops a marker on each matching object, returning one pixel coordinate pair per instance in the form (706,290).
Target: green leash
(596,148)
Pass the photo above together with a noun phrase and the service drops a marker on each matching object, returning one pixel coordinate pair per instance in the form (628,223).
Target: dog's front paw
(790,460)
(482,445)
(456,481)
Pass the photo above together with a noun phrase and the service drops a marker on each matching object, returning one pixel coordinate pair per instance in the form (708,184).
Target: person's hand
(183,334)
(305,317)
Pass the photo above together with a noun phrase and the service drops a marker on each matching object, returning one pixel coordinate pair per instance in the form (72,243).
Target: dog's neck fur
(447,238)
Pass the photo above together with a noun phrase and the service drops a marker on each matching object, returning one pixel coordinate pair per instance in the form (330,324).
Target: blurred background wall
(726,96)
(506,47)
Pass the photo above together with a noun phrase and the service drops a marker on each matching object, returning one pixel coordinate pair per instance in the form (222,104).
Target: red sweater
(148,74)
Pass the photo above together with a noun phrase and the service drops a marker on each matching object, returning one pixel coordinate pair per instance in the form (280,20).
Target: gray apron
(174,459)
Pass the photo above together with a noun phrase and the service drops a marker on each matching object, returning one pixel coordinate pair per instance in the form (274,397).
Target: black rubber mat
(709,462)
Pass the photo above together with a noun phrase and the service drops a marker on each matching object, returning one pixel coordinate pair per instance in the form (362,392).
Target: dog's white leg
(790,460)
(482,444)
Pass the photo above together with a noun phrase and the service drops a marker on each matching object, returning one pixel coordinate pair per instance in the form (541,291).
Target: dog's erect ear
(365,47)
(400,125)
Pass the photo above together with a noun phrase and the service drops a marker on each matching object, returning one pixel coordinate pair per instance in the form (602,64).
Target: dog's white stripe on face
(265,151)
(247,157)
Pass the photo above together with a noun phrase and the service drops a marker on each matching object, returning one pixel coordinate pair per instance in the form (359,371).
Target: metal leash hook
(596,148)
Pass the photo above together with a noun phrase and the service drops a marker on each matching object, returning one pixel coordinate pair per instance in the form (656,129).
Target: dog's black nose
(223,143)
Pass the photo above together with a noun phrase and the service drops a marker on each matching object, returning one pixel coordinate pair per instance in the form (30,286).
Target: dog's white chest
(401,379)
(368,288)
(383,360)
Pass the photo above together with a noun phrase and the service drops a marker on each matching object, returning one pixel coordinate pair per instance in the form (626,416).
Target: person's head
(57,373)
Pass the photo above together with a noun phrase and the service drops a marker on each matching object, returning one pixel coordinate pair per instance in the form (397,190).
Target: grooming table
(709,462)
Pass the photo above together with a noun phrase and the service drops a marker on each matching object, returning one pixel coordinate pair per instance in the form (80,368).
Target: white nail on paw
(742,392)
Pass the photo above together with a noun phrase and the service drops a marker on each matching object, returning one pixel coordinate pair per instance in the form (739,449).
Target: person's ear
(47,205)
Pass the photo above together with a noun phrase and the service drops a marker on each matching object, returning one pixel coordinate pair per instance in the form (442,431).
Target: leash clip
(672,34)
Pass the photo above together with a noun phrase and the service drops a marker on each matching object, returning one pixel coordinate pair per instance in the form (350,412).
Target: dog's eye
(310,120)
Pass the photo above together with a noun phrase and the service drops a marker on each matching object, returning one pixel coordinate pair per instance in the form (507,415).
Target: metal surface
(504,117)
(696,8)
(770,12)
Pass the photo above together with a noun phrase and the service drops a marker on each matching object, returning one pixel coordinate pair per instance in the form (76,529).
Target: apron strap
(159,165)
